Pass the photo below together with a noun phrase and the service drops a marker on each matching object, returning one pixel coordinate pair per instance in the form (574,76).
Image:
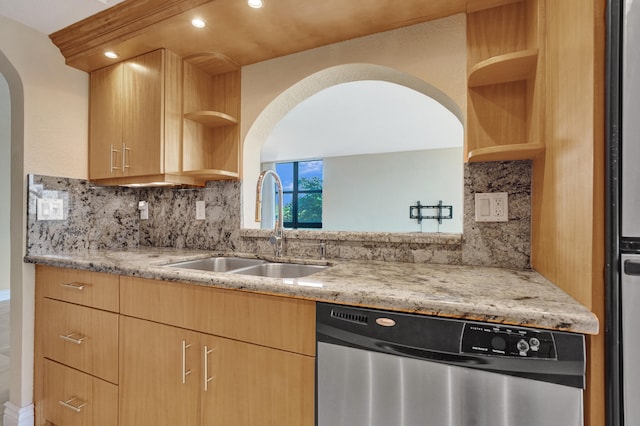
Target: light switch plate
(49,209)
(492,207)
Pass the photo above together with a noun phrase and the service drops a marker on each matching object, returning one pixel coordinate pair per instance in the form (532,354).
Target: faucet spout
(278,230)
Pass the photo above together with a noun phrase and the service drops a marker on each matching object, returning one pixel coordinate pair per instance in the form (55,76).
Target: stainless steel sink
(280,270)
(244,266)
(218,264)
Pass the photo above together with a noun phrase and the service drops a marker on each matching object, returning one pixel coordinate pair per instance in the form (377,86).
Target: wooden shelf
(211,174)
(523,151)
(504,68)
(211,118)
(478,5)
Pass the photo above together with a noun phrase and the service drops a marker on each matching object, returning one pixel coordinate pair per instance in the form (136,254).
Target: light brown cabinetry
(211,145)
(76,347)
(505,80)
(139,134)
(135,119)
(215,357)
(115,350)
(200,379)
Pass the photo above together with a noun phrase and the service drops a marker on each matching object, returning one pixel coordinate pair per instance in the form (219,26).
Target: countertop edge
(580,321)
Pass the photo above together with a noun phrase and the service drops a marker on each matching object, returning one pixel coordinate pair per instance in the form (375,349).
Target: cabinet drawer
(95,289)
(81,337)
(273,321)
(73,398)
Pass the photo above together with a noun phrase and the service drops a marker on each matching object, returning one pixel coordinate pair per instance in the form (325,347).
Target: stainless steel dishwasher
(380,368)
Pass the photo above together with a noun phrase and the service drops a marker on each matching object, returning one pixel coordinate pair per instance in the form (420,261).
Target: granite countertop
(497,295)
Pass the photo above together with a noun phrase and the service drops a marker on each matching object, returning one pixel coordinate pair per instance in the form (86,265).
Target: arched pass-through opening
(305,88)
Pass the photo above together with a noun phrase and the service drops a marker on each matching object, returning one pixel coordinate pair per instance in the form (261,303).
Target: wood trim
(568,181)
(117,24)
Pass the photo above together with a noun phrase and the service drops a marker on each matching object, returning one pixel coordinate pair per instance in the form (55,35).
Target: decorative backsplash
(108,218)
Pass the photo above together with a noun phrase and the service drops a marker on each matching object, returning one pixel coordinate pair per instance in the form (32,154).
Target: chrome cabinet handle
(112,167)
(68,404)
(125,150)
(74,286)
(185,372)
(206,377)
(78,339)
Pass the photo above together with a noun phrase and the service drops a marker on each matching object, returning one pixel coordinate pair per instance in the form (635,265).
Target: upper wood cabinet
(505,80)
(136,123)
(135,119)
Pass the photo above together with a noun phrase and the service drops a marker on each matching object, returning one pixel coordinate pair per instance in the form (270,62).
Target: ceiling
(235,35)
(48,16)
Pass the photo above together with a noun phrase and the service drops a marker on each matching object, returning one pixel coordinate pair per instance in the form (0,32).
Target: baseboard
(18,416)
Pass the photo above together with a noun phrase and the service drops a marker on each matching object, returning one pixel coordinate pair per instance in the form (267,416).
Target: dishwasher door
(381,368)
(364,388)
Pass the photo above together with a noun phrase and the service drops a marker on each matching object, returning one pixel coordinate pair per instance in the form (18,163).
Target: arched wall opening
(305,88)
(21,376)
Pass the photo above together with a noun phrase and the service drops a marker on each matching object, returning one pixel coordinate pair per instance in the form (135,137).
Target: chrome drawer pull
(75,286)
(69,338)
(207,379)
(70,406)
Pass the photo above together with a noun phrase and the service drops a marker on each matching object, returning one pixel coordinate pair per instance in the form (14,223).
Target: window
(302,185)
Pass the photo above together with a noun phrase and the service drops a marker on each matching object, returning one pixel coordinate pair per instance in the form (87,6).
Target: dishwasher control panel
(507,341)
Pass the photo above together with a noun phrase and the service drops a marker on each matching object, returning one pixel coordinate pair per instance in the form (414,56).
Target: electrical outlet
(492,207)
(200,210)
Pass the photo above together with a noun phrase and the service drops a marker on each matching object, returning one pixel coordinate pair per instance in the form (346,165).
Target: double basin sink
(245,266)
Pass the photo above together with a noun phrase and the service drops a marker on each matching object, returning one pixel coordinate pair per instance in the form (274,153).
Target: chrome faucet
(278,231)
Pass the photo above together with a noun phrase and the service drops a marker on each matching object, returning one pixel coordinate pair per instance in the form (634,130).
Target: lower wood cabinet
(126,351)
(73,398)
(172,376)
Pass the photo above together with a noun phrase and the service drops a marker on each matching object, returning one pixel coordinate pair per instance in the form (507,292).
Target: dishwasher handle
(632,267)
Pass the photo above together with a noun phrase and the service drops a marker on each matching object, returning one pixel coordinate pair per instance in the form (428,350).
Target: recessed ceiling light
(198,23)
(256,4)
(111,55)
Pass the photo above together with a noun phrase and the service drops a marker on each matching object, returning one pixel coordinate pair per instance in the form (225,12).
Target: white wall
(49,136)
(433,52)
(5,183)
(387,184)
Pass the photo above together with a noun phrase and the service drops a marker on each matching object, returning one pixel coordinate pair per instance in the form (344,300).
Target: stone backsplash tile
(501,244)
(108,217)
(94,217)
(172,217)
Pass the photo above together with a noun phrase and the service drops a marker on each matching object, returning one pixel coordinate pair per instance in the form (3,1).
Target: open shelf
(504,68)
(523,151)
(211,174)
(211,118)
(478,5)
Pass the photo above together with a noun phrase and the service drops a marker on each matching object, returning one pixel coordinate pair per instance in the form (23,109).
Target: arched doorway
(19,408)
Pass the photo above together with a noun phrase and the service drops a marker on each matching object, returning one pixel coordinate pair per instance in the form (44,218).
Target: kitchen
(48,151)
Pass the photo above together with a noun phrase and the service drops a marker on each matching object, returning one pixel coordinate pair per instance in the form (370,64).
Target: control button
(498,343)
(534,343)
(523,347)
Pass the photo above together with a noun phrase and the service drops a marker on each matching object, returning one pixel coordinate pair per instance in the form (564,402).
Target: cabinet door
(143,107)
(251,385)
(105,123)
(159,374)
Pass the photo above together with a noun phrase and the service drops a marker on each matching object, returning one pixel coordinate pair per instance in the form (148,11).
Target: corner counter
(516,297)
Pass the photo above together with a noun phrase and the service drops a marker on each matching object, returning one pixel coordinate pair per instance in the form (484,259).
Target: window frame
(295,223)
